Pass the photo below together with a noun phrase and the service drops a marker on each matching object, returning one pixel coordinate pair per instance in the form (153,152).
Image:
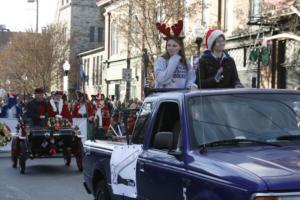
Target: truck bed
(103,144)
(98,155)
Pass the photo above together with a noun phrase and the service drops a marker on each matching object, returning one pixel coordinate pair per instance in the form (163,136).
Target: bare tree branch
(34,55)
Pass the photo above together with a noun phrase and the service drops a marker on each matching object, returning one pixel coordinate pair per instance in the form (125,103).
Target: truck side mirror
(163,140)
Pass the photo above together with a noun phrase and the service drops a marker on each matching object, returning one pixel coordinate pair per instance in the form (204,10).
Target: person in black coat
(36,110)
(216,68)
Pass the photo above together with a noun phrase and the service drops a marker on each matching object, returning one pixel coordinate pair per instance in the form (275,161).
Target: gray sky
(19,15)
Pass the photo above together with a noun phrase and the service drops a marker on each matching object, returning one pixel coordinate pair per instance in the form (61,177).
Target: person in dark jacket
(216,68)
(36,110)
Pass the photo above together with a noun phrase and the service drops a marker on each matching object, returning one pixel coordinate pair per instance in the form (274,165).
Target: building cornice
(64,7)
(247,34)
(100,3)
(90,52)
(74,4)
(115,5)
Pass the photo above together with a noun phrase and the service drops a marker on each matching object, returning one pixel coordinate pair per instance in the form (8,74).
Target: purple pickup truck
(237,144)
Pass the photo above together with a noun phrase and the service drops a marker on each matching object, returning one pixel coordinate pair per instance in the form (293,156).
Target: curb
(4,154)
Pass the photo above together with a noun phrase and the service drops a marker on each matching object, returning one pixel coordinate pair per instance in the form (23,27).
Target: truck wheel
(102,191)
(23,157)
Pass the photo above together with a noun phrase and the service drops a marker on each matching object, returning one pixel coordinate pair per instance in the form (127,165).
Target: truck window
(142,123)
(168,120)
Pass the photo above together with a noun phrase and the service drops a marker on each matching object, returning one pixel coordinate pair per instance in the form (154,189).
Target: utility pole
(258,68)
(37,16)
(146,63)
(219,14)
(128,84)
(37,13)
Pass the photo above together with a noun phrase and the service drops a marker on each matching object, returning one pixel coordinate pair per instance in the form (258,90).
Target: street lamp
(198,33)
(8,84)
(37,13)
(24,77)
(145,58)
(66,67)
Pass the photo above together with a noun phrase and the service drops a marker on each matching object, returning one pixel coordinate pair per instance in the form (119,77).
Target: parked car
(204,145)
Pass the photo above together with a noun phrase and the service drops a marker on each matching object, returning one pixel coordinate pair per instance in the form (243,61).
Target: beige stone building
(116,57)
(84,27)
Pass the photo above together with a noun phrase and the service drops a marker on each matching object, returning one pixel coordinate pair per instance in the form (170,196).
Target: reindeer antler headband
(176,28)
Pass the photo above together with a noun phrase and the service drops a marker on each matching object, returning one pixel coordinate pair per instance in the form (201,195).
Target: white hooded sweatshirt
(171,73)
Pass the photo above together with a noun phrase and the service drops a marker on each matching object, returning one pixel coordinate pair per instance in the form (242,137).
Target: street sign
(126,74)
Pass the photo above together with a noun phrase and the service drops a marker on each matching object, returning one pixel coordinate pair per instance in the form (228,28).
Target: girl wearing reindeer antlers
(171,68)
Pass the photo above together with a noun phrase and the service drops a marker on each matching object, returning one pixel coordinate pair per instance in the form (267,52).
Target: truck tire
(23,157)
(102,192)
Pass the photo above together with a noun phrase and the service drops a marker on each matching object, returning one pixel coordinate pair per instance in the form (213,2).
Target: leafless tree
(136,22)
(34,59)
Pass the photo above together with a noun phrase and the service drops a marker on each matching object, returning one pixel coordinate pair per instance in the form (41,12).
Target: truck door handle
(142,165)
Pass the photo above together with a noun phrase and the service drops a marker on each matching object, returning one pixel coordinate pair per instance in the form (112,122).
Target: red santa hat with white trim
(211,36)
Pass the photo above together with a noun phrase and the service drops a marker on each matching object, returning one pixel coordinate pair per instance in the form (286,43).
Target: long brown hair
(179,41)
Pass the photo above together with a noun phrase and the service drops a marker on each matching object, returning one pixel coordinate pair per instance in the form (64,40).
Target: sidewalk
(4,154)
(5,150)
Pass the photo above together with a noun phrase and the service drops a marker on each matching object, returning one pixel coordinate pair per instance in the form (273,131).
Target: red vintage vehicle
(58,137)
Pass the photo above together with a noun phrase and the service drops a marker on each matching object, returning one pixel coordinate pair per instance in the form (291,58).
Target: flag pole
(89,129)
(83,79)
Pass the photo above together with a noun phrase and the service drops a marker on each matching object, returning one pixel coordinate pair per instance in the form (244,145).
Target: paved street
(44,179)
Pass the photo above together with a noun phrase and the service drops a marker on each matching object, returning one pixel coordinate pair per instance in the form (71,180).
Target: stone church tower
(85,27)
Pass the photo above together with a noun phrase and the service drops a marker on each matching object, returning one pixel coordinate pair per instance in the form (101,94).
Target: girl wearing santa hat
(216,68)
(171,69)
